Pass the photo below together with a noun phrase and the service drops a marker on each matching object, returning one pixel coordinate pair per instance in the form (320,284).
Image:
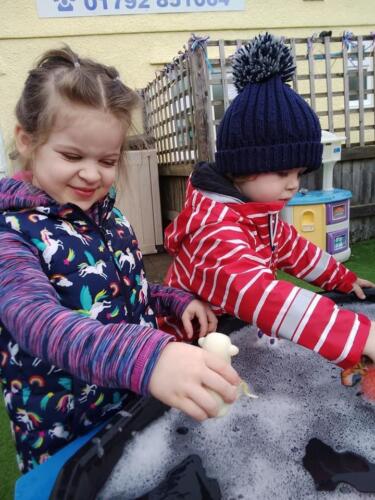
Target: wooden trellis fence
(186,101)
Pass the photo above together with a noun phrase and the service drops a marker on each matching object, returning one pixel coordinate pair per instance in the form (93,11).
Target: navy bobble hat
(268,127)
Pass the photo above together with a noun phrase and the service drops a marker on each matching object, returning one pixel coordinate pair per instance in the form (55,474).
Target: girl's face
(271,186)
(78,163)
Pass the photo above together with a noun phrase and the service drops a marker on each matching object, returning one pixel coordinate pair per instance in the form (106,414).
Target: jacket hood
(16,194)
(204,209)
(205,177)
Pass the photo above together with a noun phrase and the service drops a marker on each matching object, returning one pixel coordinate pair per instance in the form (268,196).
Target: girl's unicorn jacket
(77,317)
(226,250)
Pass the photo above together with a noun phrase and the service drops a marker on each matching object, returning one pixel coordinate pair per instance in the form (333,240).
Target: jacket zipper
(272,229)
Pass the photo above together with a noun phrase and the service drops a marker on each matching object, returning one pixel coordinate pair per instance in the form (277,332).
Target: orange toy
(364,374)
(368,383)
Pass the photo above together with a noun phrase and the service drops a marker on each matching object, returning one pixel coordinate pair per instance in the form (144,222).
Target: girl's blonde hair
(60,75)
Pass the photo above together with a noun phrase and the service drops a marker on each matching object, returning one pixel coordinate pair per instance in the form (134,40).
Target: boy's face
(271,186)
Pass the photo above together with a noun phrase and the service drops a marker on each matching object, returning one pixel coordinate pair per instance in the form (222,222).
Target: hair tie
(77,64)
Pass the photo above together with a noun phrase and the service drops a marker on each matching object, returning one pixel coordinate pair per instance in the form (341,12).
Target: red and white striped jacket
(228,253)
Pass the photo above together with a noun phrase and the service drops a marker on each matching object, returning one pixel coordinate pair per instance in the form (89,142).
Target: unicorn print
(68,228)
(65,403)
(31,420)
(45,400)
(121,220)
(86,391)
(92,308)
(141,280)
(48,246)
(70,257)
(8,399)
(53,368)
(14,222)
(108,241)
(92,267)
(110,407)
(143,322)
(86,421)
(13,351)
(121,258)
(58,431)
(43,210)
(39,441)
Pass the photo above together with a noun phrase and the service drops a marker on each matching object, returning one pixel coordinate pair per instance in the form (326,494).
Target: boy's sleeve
(169,301)
(226,272)
(302,259)
(115,355)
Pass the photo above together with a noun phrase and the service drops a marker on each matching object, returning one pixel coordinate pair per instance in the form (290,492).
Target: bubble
(256,450)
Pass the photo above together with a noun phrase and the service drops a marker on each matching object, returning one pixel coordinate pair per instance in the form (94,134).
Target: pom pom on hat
(268,127)
(260,59)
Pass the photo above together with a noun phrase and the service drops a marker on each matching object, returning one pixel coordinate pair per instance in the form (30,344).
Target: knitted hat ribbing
(268,127)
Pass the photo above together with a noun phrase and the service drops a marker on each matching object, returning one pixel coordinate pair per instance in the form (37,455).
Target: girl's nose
(90,174)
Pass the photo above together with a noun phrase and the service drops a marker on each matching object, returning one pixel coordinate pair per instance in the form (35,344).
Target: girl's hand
(359,284)
(205,316)
(183,374)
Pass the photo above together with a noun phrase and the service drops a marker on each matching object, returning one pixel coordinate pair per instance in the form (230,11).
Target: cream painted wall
(139,44)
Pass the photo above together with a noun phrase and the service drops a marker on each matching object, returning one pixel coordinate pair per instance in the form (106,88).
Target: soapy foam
(256,451)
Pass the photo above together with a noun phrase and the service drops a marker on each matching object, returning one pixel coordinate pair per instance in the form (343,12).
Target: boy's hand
(359,284)
(205,316)
(369,349)
(183,374)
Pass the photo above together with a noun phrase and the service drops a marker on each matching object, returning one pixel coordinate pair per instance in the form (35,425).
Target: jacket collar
(19,194)
(213,185)
(206,178)
(250,210)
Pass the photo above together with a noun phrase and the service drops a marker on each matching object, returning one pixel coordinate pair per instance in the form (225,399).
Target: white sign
(79,8)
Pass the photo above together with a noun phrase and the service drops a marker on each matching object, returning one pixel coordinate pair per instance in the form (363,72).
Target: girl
(77,317)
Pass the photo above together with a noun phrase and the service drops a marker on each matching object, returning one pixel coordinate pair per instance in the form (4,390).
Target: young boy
(228,241)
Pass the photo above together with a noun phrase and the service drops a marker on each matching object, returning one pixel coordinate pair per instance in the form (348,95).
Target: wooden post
(294,54)
(361,91)
(327,51)
(346,94)
(223,74)
(203,122)
(310,53)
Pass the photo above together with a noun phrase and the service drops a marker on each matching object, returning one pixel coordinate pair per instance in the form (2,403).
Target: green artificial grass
(362,262)
(8,467)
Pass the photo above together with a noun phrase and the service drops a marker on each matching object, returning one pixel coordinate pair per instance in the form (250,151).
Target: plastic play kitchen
(322,216)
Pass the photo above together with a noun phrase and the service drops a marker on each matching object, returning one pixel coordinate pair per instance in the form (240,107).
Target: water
(329,468)
(257,450)
(187,480)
